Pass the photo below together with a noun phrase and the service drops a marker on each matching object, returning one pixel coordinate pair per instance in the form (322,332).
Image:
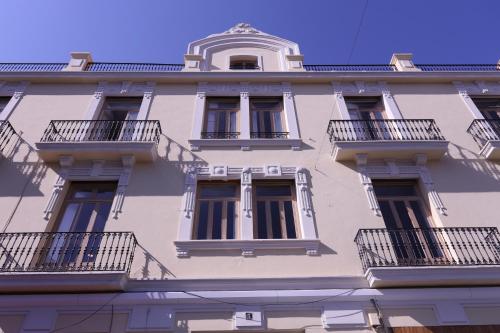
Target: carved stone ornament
(243,28)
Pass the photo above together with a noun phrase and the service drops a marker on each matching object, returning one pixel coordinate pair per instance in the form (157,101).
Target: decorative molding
(465,89)
(246,175)
(14,89)
(94,171)
(243,28)
(392,169)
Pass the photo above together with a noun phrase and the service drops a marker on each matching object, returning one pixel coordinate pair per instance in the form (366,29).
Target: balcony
(486,133)
(388,138)
(6,133)
(100,139)
(65,261)
(433,256)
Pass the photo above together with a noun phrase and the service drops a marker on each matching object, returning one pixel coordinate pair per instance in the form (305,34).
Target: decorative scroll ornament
(243,28)
(246,184)
(303,190)
(189,192)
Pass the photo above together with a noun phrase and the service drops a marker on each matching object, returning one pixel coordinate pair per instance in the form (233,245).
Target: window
(115,111)
(82,218)
(267,118)
(275,209)
(407,219)
(368,118)
(489,107)
(3,102)
(216,210)
(221,118)
(244,62)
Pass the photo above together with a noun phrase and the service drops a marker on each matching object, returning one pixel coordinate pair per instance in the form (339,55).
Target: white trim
(125,88)
(395,170)
(245,91)
(246,175)
(362,88)
(99,170)
(16,91)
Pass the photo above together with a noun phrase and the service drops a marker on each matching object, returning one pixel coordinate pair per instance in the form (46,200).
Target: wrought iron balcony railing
(66,251)
(220,135)
(350,68)
(484,130)
(384,130)
(428,247)
(269,135)
(102,130)
(6,133)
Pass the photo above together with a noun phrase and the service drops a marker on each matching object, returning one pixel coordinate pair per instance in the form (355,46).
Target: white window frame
(97,170)
(245,239)
(476,88)
(397,170)
(369,89)
(245,90)
(16,91)
(123,89)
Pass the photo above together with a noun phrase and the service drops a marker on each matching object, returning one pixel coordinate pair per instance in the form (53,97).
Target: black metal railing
(102,130)
(484,130)
(220,135)
(132,67)
(350,68)
(269,135)
(384,130)
(244,67)
(6,133)
(459,67)
(32,67)
(428,247)
(66,251)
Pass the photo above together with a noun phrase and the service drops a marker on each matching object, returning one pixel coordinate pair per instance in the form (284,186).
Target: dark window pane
(403,214)
(83,194)
(219,191)
(105,194)
(261,220)
(290,221)
(389,220)
(102,216)
(277,190)
(83,218)
(217,220)
(230,220)
(202,221)
(276,220)
(222,122)
(268,126)
(394,190)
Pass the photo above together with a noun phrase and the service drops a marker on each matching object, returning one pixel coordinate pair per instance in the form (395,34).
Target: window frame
(257,60)
(262,121)
(227,133)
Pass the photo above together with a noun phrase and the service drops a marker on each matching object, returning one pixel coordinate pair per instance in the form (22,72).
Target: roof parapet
(403,62)
(78,61)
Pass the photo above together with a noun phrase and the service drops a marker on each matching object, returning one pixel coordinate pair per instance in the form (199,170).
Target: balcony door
(79,226)
(267,118)
(368,115)
(408,221)
(119,114)
(221,118)
(489,107)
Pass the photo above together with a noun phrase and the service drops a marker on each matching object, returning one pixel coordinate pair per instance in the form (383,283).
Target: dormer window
(244,63)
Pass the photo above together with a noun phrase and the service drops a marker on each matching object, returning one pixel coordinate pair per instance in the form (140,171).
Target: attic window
(244,62)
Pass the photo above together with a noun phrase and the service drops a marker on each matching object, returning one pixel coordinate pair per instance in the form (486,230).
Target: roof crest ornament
(243,28)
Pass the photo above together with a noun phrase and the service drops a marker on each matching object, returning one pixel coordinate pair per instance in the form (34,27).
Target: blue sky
(435,31)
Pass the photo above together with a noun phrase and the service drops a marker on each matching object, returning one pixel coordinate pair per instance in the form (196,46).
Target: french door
(117,110)
(80,224)
(368,115)
(407,221)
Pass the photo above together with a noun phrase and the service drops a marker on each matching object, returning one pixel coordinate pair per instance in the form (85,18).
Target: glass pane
(83,218)
(395,235)
(389,190)
(83,194)
(202,221)
(389,220)
(3,103)
(274,191)
(211,121)
(105,194)
(489,107)
(218,191)
(419,214)
(222,122)
(217,220)
(276,220)
(261,220)
(290,221)
(268,126)
(277,122)
(403,215)
(102,216)
(230,220)
(255,121)
(68,217)
(232,122)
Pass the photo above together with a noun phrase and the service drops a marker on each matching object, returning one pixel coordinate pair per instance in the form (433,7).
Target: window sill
(244,144)
(247,247)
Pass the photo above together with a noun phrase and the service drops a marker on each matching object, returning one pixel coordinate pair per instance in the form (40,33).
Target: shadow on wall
(23,176)
(152,268)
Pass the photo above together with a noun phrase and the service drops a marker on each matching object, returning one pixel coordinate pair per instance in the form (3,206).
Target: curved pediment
(243,48)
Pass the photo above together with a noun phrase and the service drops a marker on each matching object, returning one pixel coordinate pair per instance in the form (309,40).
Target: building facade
(246,191)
